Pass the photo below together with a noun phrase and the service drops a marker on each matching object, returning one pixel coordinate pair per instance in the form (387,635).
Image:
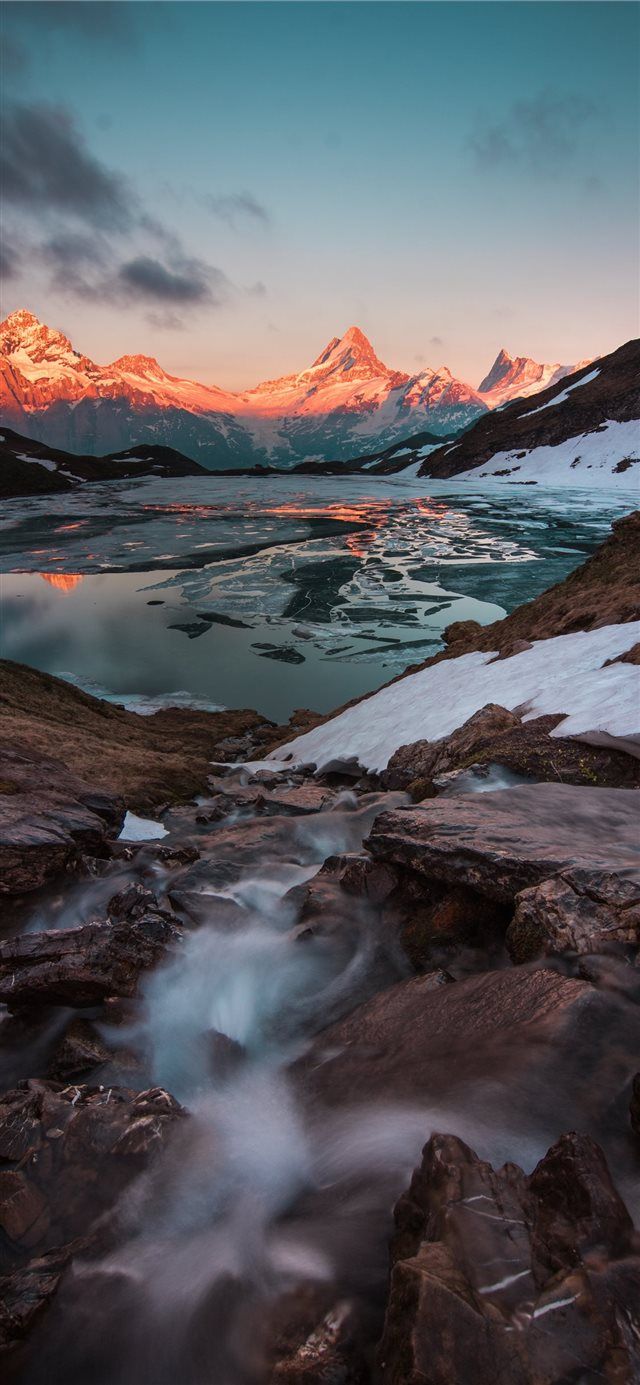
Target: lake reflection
(274,594)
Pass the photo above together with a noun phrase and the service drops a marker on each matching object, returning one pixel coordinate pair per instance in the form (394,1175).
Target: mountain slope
(345,403)
(28,467)
(582,431)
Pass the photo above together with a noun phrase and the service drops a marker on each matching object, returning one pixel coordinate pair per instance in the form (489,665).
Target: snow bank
(590,459)
(563,674)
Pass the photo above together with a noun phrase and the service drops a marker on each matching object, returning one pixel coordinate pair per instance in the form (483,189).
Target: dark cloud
(235,207)
(46,166)
(84,266)
(89,229)
(544,134)
(437,341)
(191,282)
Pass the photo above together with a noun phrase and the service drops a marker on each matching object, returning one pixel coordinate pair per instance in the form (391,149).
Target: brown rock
(83,1145)
(494,1277)
(575,912)
(501,843)
(424,759)
(48,816)
(82,966)
(418,1039)
(82,1053)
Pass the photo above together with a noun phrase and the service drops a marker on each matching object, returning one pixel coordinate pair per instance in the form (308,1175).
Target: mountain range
(347,402)
(582,430)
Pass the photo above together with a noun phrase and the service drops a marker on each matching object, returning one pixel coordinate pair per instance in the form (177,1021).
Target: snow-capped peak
(22,331)
(351,353)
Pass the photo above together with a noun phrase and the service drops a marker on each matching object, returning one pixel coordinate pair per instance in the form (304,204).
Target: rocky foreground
(445,976)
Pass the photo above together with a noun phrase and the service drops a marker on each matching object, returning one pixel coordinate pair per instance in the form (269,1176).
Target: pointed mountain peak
(503,365)
(351,352)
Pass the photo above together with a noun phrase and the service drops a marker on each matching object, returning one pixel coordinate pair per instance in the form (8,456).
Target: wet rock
(501,843)
(84,1054)
(24,1295)
(48,817)
(68,1153)
(330,1355)
(575,912)
(454,915)
(132,902)
(83,966)
(496,1276)
(174,856)
(420,1039)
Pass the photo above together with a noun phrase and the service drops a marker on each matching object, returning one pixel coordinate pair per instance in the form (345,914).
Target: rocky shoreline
(443,974)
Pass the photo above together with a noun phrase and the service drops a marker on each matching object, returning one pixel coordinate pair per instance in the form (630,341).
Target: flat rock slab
(419,1037)
(82,966)
(47,816)
(503,842)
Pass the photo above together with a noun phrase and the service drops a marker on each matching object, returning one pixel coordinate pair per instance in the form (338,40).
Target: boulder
(522,1281)
(422,760)
(83,966)
(575,912)
(48,817)
(501,843)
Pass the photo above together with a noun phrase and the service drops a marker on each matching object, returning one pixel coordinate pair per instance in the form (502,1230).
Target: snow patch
(137,829)
(564,674)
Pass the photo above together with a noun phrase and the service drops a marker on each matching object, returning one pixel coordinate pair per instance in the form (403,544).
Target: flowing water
(263,1194)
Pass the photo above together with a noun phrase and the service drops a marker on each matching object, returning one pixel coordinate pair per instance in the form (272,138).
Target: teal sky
(451,177)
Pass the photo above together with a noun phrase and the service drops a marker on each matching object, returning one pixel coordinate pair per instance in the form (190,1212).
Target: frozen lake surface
(273,593)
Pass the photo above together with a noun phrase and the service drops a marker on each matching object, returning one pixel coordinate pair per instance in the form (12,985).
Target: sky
(227,186)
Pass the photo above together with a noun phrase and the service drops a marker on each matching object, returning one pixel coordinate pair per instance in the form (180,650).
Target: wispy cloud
(543,134)
(235,207)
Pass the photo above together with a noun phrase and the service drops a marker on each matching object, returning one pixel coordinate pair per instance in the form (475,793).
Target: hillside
(28,467)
